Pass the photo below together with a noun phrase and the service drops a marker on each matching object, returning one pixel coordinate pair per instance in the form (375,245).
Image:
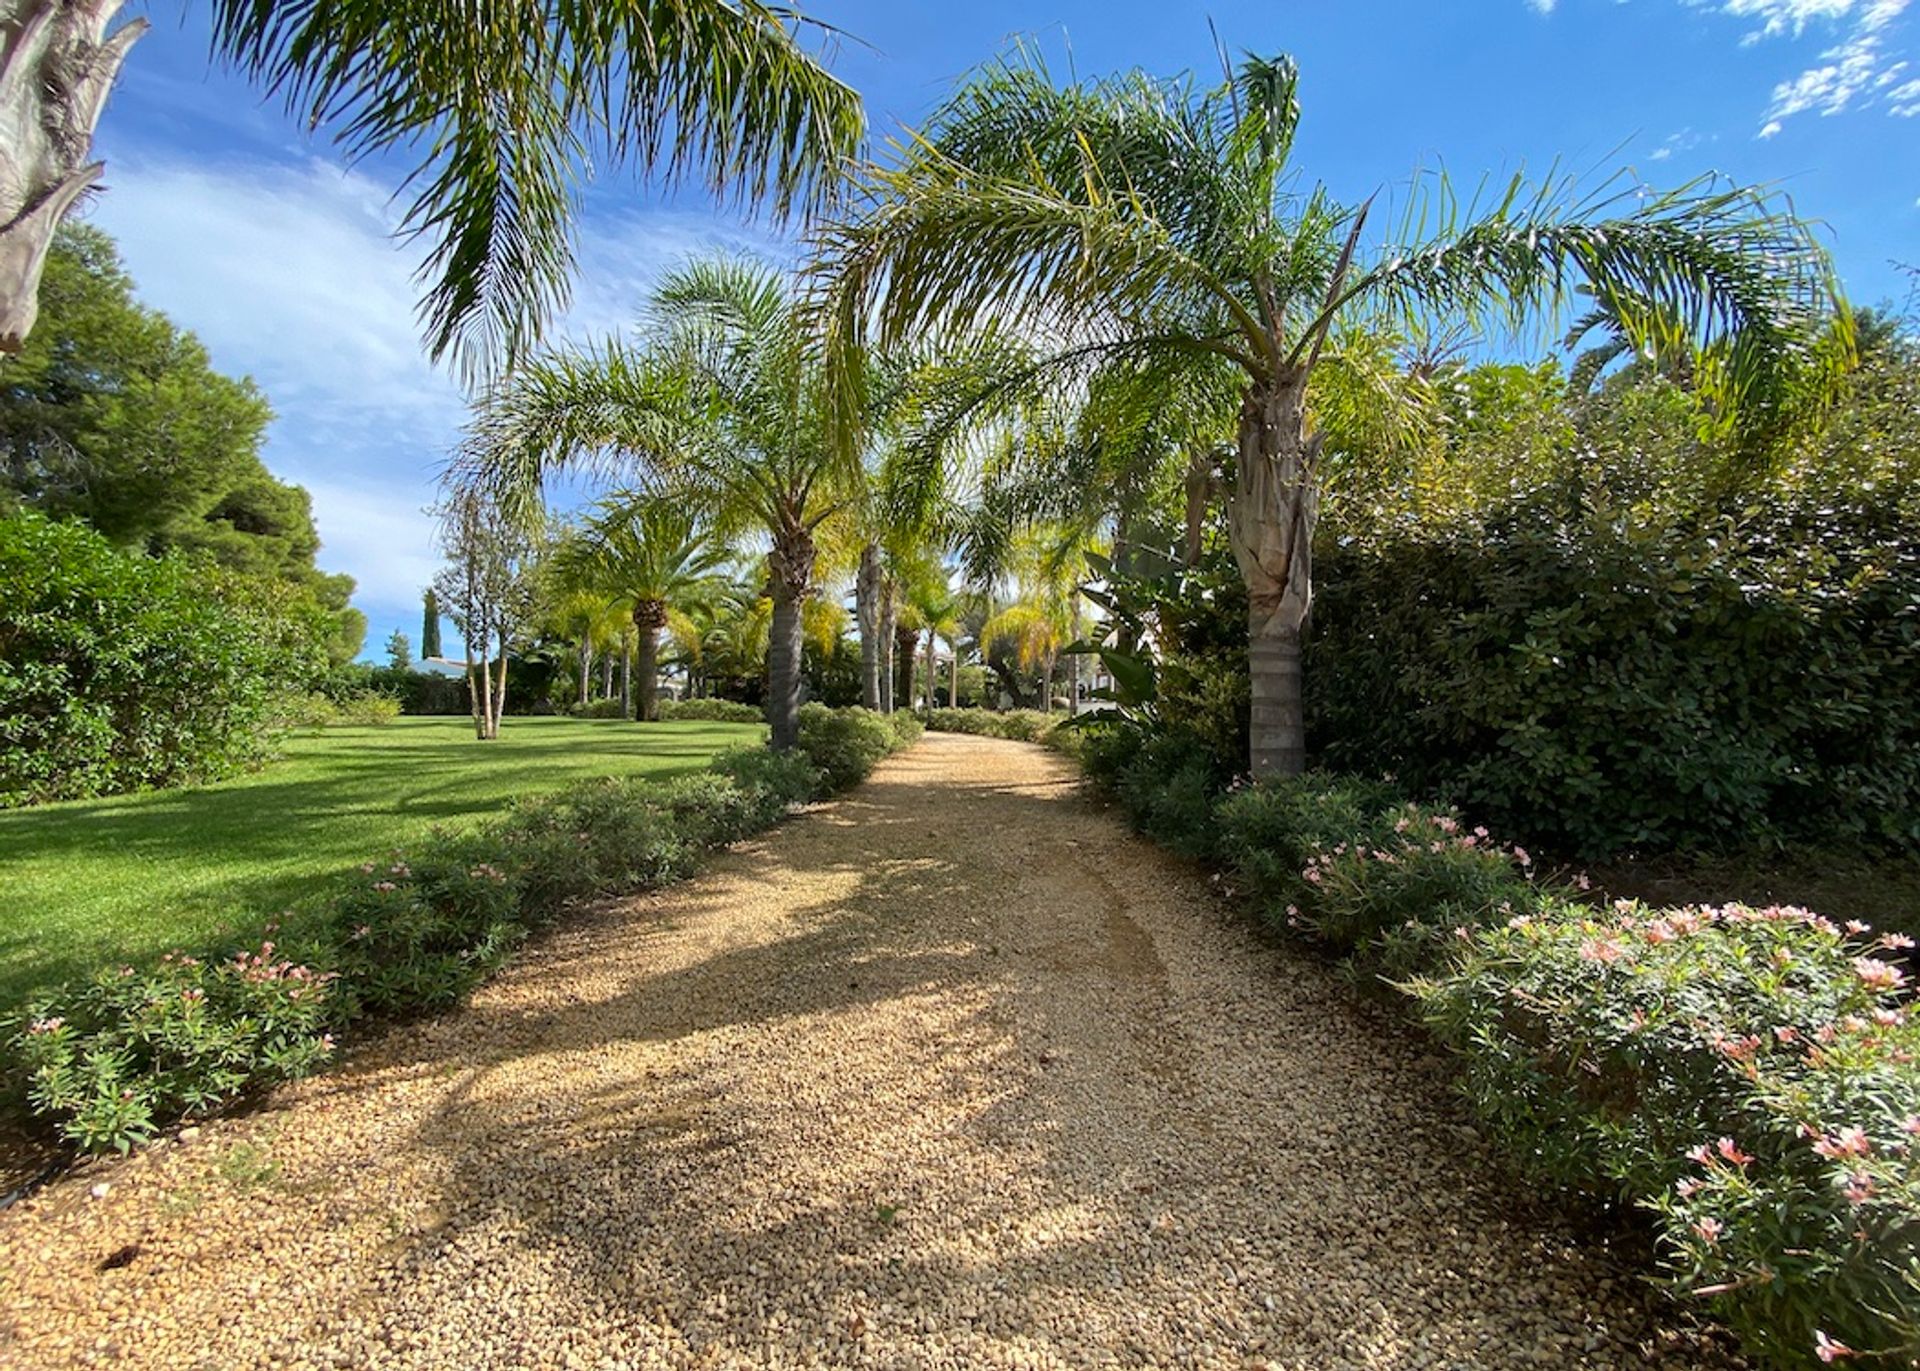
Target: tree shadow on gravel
(992,1130)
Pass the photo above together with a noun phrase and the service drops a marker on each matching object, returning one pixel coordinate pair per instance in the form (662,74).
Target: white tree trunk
(57,64)
(1271,519)
(866,610)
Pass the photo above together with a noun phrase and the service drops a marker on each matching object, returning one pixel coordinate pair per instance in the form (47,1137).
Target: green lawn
(91,881)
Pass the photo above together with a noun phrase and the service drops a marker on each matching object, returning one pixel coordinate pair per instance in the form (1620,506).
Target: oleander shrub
(1170,788)
(907,727)
(1270,830)
(600,709)
(113,1059)
(712,711)
(123,672)
(1752,1076)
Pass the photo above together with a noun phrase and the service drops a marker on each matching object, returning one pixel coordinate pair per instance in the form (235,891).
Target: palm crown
(1149,222)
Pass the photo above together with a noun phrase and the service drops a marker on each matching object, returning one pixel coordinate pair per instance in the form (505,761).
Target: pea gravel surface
(953,1072)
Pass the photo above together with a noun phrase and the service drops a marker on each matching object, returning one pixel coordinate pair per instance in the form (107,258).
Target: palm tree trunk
(932,678)
(626,676)
(888,613)
(57,63)
(905,640)
(1271,520)
(649,617)
(586,670)
(1046,687)
(953,674)
(790,563)
(866,611)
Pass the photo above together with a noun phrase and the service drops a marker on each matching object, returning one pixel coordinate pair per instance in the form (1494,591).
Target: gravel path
(951,1073)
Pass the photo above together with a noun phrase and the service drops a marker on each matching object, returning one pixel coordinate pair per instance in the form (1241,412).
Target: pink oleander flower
(1446,824)
(1878,975)
(1689,1187)
(1463,933)
(1731,1151)
(1848,1142)
(1520,856)
(1895,940)
(1737,1049)
(1583,882)
(1911,1126)
(1828,1350)
(1856,927)
(326,1042)
(1660,931)
(385,887)
(1700,1154)
(1709,1230)
(1786,1033)
(1859,1188)
(1602,950)
(40,1026)
(193,994)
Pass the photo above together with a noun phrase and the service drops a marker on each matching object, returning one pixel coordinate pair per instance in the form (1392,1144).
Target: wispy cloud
(288,271)
(1860,66)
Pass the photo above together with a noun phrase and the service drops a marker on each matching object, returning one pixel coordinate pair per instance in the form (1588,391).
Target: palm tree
(931,607)
(722,410)
(505,108)
(650,556)
(1148,220)
(1044,614)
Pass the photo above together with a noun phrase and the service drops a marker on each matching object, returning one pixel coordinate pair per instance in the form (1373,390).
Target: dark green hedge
(1604,680)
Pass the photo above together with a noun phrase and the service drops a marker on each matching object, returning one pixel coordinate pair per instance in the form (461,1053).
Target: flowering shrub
(1268,832)
(114,1058)
(1752,1076)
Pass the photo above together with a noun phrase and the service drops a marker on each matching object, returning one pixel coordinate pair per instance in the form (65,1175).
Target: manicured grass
(89,882)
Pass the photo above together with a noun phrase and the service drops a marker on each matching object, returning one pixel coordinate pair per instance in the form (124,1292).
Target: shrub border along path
(951,1072)
(113,1060)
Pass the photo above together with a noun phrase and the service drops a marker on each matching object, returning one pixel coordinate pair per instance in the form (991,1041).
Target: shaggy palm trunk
(866,610)
(790,565)
(1270,521)
(57,63)
(649,617)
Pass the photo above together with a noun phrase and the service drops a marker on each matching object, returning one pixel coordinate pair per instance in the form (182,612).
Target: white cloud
(288,271)
(1542,6)
(1858,69)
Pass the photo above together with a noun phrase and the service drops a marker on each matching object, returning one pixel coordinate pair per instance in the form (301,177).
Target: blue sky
(252,234)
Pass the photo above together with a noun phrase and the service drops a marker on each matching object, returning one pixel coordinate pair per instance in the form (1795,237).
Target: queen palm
(722,410)
(650,556)
(1150,220)
(502,109)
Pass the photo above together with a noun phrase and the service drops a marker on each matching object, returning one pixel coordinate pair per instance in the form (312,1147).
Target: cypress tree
(430,626)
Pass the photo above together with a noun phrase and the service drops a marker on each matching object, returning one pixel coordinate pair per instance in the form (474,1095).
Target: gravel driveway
(953,1072)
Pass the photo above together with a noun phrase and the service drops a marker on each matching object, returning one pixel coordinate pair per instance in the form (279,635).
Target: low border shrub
(111,1061)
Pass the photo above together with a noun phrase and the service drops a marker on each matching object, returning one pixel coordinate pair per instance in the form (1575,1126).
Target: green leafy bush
(1750,1075)
(788,778)
(122,672)
(1019,725)
(1170,788)
(113,1059)
(844,745)
(1598,678)
(712,711)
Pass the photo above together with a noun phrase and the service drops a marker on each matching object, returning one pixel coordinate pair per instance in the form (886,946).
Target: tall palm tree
(1147,219)
(1044,613)
(723,410)
(504,108)
(650,556)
